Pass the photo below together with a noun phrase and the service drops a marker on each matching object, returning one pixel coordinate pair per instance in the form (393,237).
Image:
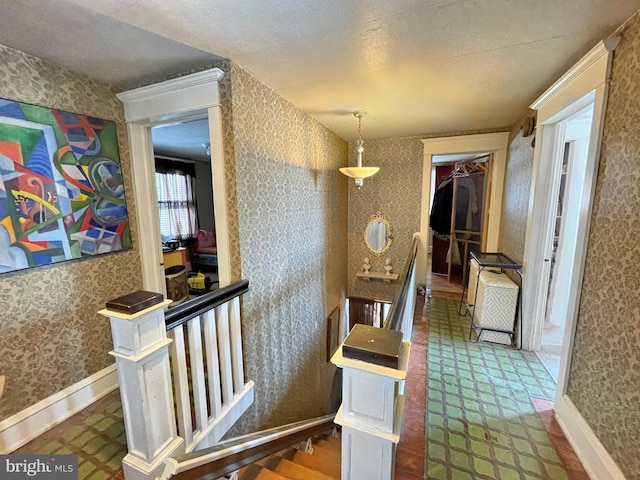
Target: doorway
(184,188)
(491,143)
(458,213)
(570,164)
(179,100)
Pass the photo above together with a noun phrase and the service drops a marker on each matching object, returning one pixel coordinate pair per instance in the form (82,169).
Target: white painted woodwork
(595,458)
(146,197)
(142,359)
(366,456)
(213,363)
(496,143)
(385,277)
(240,444)
(370,415)
(180,99)
(224,351)
(235,333)
(584,84)
(181,384)
(197,373)
(30,423)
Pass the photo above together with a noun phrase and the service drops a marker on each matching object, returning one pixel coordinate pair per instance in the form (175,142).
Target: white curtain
(176,205)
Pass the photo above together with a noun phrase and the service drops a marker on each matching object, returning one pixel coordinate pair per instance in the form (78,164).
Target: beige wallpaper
(515,202)
(604,382)
(289,209)
(51,336)
(395,191)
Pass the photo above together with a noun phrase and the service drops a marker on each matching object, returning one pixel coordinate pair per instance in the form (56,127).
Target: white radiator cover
(496,306)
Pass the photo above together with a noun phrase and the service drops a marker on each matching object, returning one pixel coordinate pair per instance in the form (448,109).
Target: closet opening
(460,189)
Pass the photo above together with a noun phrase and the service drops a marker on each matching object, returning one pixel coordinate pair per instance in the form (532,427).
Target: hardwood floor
(80,433)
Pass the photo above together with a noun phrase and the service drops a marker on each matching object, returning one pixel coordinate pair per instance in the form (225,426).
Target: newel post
(372,404)
(141,350)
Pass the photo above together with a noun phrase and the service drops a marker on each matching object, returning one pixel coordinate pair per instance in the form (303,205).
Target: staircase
(322,463)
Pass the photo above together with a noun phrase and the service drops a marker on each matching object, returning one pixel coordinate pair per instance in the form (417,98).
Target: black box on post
(134,302)
(379,346)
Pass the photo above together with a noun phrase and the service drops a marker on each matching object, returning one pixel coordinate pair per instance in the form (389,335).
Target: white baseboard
(594,457)
(28,424)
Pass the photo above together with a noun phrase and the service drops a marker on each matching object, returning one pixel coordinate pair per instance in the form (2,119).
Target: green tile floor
(481,423)
(96,435)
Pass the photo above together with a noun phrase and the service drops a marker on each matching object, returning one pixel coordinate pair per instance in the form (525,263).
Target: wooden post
(370,415)
(141,350)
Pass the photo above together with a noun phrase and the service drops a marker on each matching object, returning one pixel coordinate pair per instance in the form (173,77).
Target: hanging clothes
(472,204)
(441,209)
(443,204)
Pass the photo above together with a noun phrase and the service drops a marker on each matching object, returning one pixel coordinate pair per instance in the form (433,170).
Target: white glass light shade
(359,172)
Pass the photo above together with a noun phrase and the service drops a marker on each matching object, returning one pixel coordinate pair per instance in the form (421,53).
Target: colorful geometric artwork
(61,188)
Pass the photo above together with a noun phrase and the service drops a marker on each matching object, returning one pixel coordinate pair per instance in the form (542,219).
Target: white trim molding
(156,103)
(182,99)
(496,143)
(594,457)
(32,422)
(583,84)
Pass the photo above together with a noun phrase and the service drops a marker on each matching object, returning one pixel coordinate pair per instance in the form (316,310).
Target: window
(176,203)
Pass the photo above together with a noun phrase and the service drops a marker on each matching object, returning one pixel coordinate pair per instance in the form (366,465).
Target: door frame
(182,99)
(496,143)
(584,84)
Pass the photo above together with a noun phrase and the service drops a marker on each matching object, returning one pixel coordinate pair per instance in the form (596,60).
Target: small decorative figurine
(366,266)
(387,266)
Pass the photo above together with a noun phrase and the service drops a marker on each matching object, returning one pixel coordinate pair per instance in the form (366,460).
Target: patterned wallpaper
(289,209)
(604,381)
(395,191)
(51,335)
(515,201)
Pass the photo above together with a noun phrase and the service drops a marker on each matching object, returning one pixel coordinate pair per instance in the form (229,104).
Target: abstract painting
(61,188)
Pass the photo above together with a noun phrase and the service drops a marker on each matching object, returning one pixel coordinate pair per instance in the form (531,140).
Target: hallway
(480,424)
(481,408)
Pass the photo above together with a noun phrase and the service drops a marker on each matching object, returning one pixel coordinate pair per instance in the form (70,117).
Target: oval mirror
(378,234)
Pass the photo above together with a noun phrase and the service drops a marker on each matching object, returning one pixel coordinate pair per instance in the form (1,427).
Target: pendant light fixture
(359,173)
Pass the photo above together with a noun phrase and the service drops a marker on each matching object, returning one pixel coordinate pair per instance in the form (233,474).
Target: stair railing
(373,394)
(181,377)
(231,455)
(400,316)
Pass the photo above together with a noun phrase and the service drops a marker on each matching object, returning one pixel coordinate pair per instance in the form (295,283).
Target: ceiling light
(359,173)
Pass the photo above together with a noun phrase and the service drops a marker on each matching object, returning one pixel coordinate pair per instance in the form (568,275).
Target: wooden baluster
(224,352)
(181,384)
(213,365)
(236,345)
(197,373)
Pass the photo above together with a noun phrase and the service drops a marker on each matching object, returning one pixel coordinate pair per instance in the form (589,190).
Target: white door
(567,191)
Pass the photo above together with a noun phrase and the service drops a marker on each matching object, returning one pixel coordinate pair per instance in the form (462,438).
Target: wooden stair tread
(329,454)
(256,472)
(296,471)
(318,464)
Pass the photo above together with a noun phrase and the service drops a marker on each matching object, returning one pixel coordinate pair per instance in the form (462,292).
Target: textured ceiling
(417,66)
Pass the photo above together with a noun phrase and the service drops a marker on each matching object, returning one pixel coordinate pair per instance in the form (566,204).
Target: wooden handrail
(229,456)
(186,311)
(396,313)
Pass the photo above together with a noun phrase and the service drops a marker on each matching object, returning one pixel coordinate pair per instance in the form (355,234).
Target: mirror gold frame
(378,234)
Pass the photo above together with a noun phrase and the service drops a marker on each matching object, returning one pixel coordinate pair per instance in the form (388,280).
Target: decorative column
(142,358)
(370,415)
